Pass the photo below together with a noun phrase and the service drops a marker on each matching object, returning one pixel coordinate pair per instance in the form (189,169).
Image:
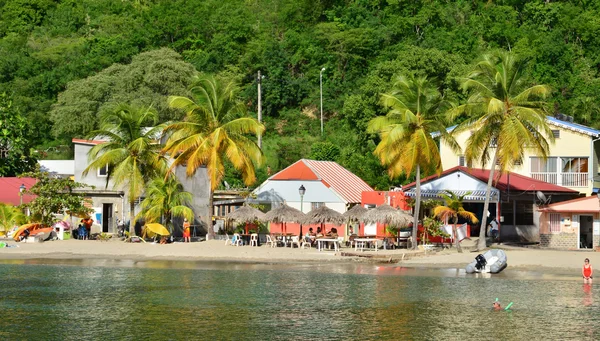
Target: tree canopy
(70,58)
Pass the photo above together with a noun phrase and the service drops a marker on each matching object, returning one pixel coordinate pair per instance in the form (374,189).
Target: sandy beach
(215,250)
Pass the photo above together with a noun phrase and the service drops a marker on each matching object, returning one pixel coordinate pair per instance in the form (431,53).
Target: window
(574,164)
(556,133)
(538,165)
(461,160)
(316,205)
(103,172)
(554,222)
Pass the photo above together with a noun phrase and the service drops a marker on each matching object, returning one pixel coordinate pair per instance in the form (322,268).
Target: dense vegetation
(73,57)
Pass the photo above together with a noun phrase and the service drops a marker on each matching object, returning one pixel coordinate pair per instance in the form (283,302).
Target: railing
(574,179)
(563,179)
(551,178)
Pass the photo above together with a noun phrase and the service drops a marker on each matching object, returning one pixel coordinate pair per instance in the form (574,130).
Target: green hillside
(62,62)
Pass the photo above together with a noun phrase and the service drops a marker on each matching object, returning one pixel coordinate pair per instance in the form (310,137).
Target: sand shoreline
(551,261)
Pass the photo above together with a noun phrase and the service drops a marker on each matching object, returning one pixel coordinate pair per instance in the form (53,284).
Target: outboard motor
(481,262)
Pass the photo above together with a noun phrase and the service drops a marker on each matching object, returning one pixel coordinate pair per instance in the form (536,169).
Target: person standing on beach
(186,231)
(587,271)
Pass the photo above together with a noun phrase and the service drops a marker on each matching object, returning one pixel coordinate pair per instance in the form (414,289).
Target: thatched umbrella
(285,214)
(246,214)
(354,214)
(322,215)
(386,214)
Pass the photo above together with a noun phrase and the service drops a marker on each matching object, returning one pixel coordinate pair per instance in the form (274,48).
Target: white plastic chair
(271,241)
(295,241)
(238,240)
(254,239)
(227,240)
(306,242)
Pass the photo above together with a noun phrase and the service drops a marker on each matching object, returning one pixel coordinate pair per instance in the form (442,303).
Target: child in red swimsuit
(186,231)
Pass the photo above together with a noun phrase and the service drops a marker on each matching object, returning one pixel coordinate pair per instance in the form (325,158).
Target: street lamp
(21,190)
(260,78)
(321,85)
(302,190)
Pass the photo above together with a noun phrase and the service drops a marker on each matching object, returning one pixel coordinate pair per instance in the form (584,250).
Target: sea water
(162,300)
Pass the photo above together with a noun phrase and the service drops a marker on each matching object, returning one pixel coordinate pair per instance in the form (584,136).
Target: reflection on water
(132,300)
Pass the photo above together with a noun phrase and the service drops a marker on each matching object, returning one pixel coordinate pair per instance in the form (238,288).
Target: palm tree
(215,128)
(407,145)
(131,151)
(452,210)
(9,216)
(166,199)
(505,115)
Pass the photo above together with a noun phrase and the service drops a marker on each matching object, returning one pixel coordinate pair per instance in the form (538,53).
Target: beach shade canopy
(355,213)
(387,215)
(246,214)
(285,214)
(29,227)
(322,215)
(153,229)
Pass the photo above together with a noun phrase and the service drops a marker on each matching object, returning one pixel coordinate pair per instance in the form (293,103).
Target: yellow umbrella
(155,229)
(19,231)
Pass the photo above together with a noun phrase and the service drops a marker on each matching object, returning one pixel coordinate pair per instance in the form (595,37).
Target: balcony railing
(563,179)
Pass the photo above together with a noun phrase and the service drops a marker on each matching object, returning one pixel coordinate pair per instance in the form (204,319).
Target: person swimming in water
(497,306)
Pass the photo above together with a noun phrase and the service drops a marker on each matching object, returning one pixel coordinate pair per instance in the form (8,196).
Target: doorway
(586,231)
(107,218)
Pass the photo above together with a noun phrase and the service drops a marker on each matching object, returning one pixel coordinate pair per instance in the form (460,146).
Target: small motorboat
(493,261)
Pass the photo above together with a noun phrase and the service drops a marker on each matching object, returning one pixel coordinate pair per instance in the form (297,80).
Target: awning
(474,195)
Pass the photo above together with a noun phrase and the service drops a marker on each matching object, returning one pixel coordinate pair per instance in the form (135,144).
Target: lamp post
(259,79)
(321,86)
(21,190)
(302,190)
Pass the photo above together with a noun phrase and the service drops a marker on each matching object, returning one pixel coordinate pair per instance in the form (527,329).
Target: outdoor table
(362,242)
(336,243)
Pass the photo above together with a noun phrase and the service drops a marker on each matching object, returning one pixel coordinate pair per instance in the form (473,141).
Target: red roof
(88,142)
(589,204)
(345,183)
(10,190)
(509,180)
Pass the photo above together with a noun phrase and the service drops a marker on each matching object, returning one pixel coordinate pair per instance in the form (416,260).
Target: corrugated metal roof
(342,181)
(507,181)
(10,193)
(337,178)
(474,195)
(580,128)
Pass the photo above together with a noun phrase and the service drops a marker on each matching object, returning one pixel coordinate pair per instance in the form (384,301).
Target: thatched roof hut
(322,215)
(386,214)
(355,213)
(246,214)
(285,214)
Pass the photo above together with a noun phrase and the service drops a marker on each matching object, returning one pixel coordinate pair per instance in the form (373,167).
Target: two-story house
(572,160)
(110,203)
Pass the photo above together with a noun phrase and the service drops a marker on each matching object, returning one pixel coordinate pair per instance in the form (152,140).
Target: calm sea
(158,300)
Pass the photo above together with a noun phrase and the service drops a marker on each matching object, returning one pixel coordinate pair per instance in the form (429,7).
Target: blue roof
(573,126)
(580,128)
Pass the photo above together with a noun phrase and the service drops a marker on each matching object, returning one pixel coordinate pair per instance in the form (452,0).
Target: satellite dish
(542,198)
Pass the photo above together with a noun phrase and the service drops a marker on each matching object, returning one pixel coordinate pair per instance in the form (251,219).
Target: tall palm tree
(505,115)
(131,151)
(452,210)
(415,107)
(215,128)
(166,199)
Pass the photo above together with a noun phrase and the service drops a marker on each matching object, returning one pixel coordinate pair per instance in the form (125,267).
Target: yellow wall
(569,143)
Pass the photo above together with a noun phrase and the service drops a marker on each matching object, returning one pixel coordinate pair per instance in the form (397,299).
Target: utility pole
(259,110)
(321,85)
